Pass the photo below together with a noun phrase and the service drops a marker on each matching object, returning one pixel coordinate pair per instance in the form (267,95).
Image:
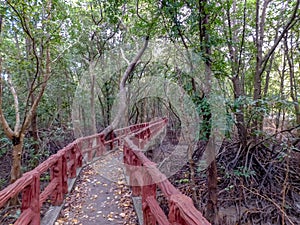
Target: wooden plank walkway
(100,195)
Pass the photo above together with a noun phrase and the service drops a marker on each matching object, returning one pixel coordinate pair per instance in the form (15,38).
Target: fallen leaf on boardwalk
(74,220)
(120,182)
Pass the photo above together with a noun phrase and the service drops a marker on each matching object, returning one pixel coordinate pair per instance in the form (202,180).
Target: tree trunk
(239,114)
(212,203)
(293,83)
(16,168)
(236,63)
(16,171)
(281,92)
(122,89)
(259,36)
(34,134)
(92,98)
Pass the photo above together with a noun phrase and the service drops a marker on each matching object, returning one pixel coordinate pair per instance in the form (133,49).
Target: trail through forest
(100,195)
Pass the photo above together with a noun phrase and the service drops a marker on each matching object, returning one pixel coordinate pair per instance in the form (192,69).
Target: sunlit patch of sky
(76,3)
(184,13)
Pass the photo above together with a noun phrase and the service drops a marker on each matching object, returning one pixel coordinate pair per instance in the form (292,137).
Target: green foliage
(5,142)
(241,172)
(184,181)
(83,32)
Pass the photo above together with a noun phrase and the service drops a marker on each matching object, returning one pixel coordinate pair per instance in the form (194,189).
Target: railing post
(31,198)
(148,190)
(59,172)
(174,212)
(135,165)
(100,144)
(131,163)
(182,211)
(112,137)
(79,155)
(72,156)
(90,146)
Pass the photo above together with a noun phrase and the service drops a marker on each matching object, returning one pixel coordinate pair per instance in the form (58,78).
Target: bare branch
(7,130)
(133,63)
(46,75)
(138,14)
(16,103)
(27,31)
(243,37)
(124,57)
(33,108)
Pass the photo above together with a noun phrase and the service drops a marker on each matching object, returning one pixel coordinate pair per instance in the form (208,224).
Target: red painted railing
(61,166)
(145,178)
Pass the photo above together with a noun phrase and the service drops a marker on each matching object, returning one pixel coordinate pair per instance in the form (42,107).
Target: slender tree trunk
(35,137)
(16,168)
(282,78)
(34,130)
(212,202)
(259,36)
(239,114)
(108,103)
(236,64)
(293,83)
(16,171)
(43,73)
(268,72)
(122,89)
(92,98)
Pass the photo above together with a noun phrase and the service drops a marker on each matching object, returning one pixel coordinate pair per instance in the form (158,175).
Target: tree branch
(16,103)
(133,63)
(274,135)
(40,94)
(33,108)
(6,128)
(287,27)
(122,92)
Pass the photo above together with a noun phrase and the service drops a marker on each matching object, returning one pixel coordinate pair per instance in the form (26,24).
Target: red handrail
(62,165)
(145,178)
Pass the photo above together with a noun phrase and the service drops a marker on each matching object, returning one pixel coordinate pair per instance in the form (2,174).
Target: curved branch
(122,92)
(16,103)
(133,63)
(34,106)
(6,128)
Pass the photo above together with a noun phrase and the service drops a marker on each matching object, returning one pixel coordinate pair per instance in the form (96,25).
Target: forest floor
(5,165)
(258,185)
